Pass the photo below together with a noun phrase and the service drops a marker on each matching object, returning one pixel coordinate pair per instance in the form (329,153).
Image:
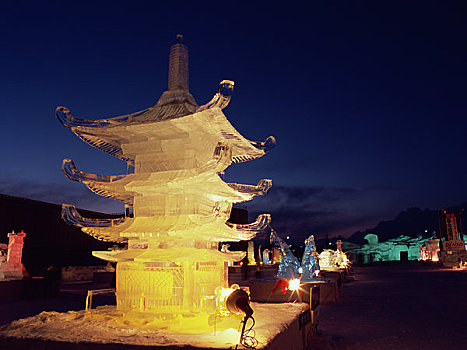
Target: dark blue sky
(366,99)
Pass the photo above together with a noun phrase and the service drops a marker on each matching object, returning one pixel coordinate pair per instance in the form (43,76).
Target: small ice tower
(14,268)
(177,204)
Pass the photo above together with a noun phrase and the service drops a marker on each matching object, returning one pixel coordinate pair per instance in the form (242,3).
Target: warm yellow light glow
(225,292)
(333,260)
(221,298)
(294,284)
(429,250)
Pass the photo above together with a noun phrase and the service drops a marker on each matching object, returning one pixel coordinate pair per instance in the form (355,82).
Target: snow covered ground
(105,325)
(400,306)
(403,306)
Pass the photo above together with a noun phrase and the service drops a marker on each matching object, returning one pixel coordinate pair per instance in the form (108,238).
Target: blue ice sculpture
(289,265)
(310,263)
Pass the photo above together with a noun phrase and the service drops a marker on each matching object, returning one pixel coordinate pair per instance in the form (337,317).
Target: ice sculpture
(276,255)
(251,253)
(10,265)
(178,205)
(327,260)
(429,250)
(342,260)
(289,265)
(3,257)
(266,256)
(333,259)
(394,249)
(310,261)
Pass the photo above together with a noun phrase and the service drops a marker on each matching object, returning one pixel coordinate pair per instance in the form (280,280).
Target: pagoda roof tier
(109,186)
(113,186)
(172,104)
(190,183)
(168,228)
(208,185)
(170,139)
(175,254)
(208,228)
(71,216)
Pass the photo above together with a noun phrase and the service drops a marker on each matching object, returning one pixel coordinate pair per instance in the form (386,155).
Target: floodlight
(294,284)
(239,301)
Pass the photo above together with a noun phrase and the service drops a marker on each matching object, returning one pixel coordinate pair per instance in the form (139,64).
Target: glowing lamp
(233,301)
(294,284)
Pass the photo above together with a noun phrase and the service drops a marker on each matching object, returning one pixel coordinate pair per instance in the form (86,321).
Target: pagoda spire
(178,65)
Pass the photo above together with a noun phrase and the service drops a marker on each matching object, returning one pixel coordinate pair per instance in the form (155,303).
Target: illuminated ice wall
(394,249)
(177,204)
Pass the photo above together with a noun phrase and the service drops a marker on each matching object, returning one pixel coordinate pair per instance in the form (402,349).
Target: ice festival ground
(397,306)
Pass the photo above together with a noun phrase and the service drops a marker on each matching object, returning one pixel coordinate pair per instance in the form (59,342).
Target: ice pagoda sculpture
(177,202)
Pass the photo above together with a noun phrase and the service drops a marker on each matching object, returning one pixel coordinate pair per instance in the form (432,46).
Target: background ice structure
(394,249)
(177,204)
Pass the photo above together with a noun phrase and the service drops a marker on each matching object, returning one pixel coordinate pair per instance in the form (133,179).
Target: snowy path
(409,306)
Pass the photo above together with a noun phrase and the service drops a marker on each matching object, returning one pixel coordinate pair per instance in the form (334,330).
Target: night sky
(365,98)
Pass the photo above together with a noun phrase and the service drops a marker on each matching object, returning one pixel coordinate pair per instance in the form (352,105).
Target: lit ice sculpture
(327,260)
(3,257)
(310,261)
(177,204)
(251,253)
(11,266)
(332,260)
(429,250)
(342,261)
(289,266)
